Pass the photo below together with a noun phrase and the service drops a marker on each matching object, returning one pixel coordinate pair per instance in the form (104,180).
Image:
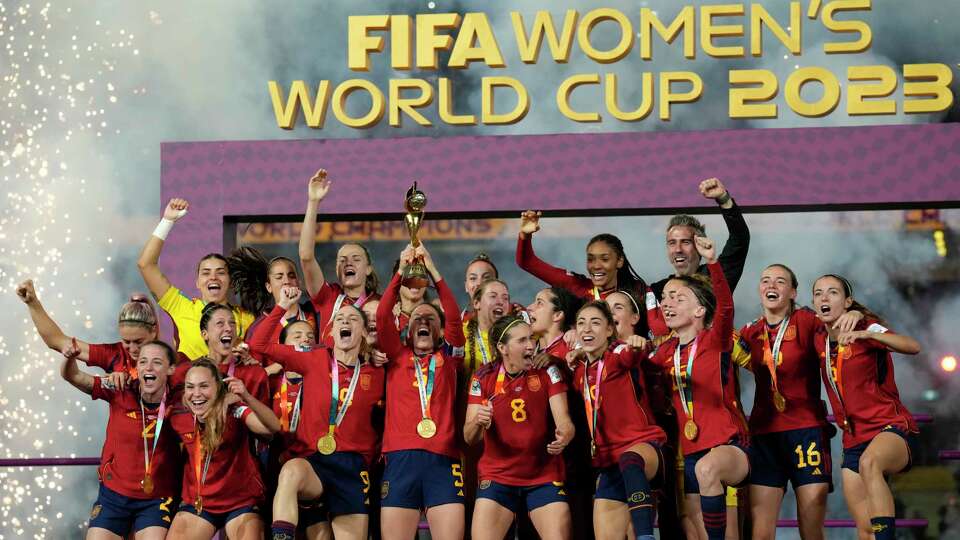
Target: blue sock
(884,528)
(283,530)
(714,511)
(639,498)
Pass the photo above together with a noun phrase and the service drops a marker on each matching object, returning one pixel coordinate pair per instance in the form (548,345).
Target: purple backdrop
(620,172)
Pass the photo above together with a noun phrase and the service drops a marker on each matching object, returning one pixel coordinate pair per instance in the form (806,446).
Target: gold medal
(199,505)
(593,449)
(690,430)
(327,444)
(427,428)
(779,401)
(147,484)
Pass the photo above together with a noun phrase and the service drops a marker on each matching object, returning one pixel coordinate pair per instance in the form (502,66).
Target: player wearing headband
(346,391)
(714,432)
(136,325)
(510,407)
(879,433)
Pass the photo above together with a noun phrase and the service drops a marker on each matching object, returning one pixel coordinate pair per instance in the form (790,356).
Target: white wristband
(163,228)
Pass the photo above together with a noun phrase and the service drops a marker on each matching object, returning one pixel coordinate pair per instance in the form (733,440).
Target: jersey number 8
(519,413)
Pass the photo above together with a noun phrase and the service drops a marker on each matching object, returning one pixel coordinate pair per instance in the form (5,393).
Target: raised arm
(388,337)
(528,260)
(149,261)
(286,355)
(453,326)
(71,372)
(317,189)
(49,331)
(262,421)
(723,315)
(734,254)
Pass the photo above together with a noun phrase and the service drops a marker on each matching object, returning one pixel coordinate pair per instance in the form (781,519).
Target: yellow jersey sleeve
(741,351)
(185,313)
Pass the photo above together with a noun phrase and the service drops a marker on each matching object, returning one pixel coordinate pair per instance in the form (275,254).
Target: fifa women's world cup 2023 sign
(722,32)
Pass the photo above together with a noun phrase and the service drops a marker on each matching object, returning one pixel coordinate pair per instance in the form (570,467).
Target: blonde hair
(138,312)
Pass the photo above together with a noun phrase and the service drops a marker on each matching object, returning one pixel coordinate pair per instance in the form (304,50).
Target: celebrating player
(607,267)
(878,431)
(213,281)
(136,325)
(345,391)
(358,281)
(491,301)
(705,396)
(423,469)
(624,441)
(521,466)
(139,464)
(788,424)
(222,486)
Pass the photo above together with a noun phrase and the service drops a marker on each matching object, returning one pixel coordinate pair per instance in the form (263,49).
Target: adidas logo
(817,471)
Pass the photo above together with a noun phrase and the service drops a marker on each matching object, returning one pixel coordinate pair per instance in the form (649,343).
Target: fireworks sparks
(57,92)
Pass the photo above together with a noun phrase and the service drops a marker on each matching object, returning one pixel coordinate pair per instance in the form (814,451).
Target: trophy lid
(416,200)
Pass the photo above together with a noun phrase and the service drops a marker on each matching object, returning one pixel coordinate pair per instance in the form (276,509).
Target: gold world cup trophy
(415,274)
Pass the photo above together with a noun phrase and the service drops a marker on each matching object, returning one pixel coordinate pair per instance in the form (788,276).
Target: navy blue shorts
(312,513)
(219,520)
(517,499)
(798,456)
(851,456)
(691,486)
(418,479)
(120,514)
(610,481)
(346,482)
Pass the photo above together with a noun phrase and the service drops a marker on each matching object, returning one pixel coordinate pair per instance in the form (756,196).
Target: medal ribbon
(596,293)
(498,385)
(687,405)
(197,452)
(148,459)
(591,400)
(482,347)
(425,389)
(338,410)
(770,358)
(549,346)
(284,413)
(835,382)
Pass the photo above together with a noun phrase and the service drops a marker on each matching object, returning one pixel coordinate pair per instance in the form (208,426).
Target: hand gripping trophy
(415,275)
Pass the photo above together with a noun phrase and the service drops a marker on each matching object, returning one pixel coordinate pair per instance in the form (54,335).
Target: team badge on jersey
(475,388)
(484,484)
(554,373)
(533,383)
(790,333)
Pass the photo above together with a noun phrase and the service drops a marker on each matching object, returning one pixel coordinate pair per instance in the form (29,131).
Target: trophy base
(415,276)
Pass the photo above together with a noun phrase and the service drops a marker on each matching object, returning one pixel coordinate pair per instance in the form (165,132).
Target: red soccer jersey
(403,398)
(305,313)
(325,301)
(869,400)
(253,377)
(716,406)
(581,285)
(112,357)
(798,374)
(122,460)
(515,446)
(357,432)
(233,477)
(287,439)
(623,417)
